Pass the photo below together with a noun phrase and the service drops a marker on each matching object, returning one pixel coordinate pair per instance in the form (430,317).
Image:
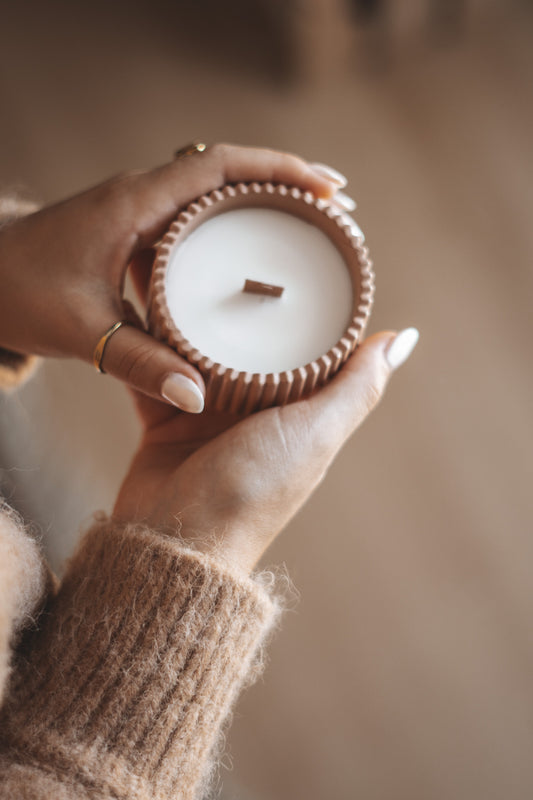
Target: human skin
(225,484)
(229,485)
(62,269)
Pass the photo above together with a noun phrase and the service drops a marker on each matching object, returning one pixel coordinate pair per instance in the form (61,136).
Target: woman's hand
(62,269)
(230,484)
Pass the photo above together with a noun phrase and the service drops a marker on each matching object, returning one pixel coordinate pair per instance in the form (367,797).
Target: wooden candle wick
(268,289)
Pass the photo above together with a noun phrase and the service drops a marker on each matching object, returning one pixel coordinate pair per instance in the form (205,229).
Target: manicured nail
(183,393)
(401,347)
(343,201)
(356,230)
(331,174)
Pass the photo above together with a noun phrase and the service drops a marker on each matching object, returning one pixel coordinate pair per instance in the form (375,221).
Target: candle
(253,332)
(265,289)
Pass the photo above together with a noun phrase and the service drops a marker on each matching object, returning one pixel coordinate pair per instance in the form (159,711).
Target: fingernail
(401,347)
(356,230)
(331,174)
(183,393)
(343,201)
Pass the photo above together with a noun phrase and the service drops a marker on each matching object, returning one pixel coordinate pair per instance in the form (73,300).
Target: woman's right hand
(229,485)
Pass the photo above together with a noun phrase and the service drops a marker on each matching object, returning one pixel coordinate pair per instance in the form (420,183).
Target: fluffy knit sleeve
(15,368)
(25,583)
(123,691)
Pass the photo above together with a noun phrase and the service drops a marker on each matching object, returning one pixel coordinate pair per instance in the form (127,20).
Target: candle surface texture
(251,332)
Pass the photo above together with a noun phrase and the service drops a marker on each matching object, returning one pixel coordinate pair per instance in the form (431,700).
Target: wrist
(226,542)
(232,549)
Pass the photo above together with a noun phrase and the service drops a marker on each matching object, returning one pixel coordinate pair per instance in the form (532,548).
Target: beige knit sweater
(117,683)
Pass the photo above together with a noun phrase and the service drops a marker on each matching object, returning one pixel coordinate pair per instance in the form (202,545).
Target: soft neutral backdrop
(405,668)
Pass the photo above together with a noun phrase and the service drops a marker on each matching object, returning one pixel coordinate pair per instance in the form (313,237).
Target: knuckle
(220,151)
(118,197)
(373,391)
(132,366)
(372,396)
(220,148)
(113,191)
(290,159)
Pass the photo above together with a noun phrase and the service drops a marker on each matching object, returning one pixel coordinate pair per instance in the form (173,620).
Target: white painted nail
(183,393)
(401,347)
(344,202)
(331,174)
(356,230)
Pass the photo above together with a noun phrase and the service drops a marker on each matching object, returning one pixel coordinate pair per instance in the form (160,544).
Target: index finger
(167,189)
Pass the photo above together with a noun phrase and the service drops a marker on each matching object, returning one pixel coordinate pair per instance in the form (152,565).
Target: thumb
(153,368)
(356,390)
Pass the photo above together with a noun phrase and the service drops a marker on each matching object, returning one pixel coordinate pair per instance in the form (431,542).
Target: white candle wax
(250,332)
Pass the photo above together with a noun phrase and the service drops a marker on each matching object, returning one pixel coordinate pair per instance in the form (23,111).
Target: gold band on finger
(189,149)
(99,350)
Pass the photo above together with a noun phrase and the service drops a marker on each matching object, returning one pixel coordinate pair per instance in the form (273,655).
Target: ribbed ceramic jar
(245,392)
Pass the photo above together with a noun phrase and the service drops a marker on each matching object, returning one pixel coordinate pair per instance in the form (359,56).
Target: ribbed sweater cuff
(25,583)
(139,660)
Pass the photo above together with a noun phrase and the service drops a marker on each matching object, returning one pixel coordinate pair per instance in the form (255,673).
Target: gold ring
(189,149)
(99,350)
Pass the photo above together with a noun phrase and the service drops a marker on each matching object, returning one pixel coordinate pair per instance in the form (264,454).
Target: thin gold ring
(189,149)
(99,350)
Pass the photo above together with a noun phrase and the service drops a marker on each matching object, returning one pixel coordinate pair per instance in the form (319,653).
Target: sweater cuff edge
(263,583)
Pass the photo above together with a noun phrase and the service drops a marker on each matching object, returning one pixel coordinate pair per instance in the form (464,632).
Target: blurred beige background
(405,670)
